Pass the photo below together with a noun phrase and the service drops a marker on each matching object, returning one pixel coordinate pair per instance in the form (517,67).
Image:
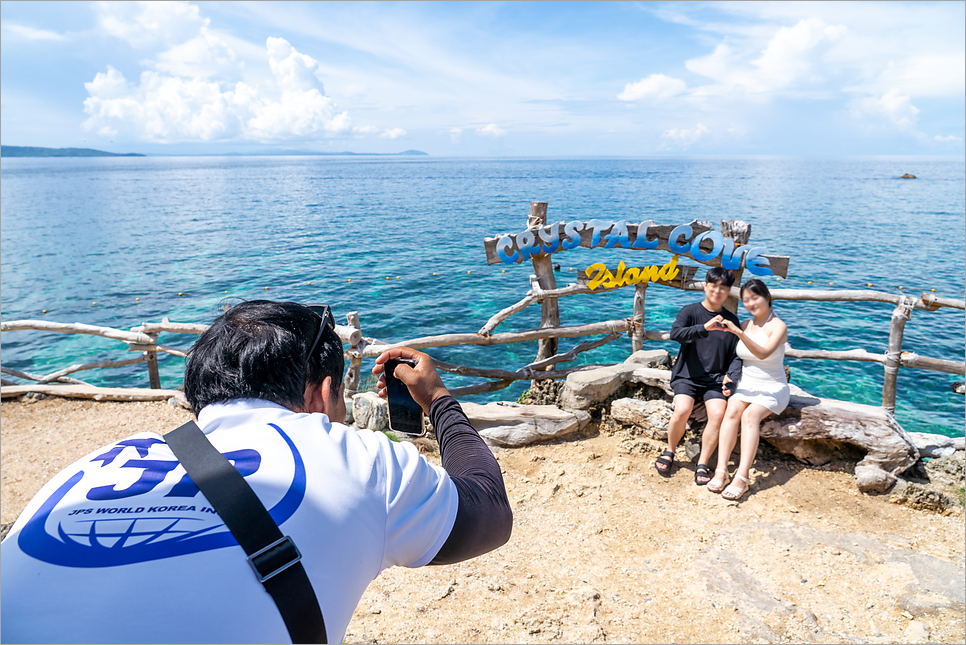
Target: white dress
(762,381)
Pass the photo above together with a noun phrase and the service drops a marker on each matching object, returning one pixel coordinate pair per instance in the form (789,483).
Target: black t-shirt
(705,357)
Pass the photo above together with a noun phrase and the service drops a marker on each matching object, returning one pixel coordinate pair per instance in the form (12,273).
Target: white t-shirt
(121,546)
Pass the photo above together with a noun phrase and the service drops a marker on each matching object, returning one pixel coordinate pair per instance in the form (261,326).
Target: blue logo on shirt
(116,536)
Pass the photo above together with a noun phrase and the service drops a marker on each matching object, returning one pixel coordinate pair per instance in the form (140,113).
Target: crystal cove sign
(695,240)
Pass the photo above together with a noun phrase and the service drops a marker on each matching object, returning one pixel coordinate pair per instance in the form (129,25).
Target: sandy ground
(606,550)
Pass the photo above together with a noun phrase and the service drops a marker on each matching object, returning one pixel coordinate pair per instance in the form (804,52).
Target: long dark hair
(758,288)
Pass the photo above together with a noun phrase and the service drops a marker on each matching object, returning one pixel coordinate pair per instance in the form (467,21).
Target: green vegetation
(31,151)
(392,437)
(961,495)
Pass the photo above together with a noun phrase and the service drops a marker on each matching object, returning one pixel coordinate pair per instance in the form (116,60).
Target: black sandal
(664,461)
(702,471)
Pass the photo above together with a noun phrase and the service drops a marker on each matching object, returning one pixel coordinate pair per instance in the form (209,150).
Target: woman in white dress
(762,390)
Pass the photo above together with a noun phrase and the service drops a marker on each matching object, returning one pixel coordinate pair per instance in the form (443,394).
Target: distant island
(31,151)
(311,153)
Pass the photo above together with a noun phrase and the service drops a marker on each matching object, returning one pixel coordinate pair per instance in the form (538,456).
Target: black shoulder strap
(273,557)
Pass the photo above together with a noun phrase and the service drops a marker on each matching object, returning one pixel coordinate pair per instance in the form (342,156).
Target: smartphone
(405,415)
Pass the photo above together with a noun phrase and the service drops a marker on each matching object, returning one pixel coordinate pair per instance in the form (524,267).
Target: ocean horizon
(400,241)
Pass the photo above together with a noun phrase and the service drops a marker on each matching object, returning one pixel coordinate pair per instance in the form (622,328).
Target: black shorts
(698,391)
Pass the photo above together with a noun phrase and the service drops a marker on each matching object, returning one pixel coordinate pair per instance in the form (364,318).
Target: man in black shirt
(706,369)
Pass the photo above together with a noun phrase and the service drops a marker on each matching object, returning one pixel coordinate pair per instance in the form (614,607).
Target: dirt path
(604,549)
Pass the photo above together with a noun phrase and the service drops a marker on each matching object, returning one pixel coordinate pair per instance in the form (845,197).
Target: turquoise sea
(151,237)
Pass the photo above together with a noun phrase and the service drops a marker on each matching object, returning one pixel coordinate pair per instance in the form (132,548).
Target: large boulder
(656,358)
(815,426)
(369,410)
(512,424)
(947,472)
(652,417)
(587,388)
(935,445)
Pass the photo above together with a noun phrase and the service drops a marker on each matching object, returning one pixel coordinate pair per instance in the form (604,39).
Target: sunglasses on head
(326,320)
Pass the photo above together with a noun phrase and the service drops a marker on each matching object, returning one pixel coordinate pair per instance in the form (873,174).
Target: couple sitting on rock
(736,369)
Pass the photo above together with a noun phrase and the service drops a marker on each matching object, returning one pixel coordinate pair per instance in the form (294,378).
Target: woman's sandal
(734,493)
(704,472)
(717,488)
(667,460)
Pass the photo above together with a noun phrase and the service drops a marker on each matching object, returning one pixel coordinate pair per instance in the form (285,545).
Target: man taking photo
(122,546)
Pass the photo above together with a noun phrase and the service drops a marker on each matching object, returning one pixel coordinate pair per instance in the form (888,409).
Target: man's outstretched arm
(483,518)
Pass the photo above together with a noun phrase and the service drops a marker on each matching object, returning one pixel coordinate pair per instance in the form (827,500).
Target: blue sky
(468,79)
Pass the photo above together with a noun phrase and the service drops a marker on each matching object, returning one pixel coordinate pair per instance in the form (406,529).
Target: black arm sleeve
(734,371)
(483,519)
(682,331)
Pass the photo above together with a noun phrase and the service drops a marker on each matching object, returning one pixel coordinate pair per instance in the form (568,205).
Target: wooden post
(637,340)
(900,316)
(543,270)
(740,232)
(154,377)
(353,374)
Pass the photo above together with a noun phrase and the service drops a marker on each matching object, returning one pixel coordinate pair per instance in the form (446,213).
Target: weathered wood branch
(933,302)
(171,327)
(572,354)
(841,355)
(445,340)
(164,349)
(77,328)
(531,371)
(503,314)
(910,359)
(524,373)
(928,301)
(90,366)
(347,334)
(85,391)
(34,377)
(480,388)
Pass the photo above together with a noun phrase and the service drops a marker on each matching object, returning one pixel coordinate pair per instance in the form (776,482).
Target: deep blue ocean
(184,235)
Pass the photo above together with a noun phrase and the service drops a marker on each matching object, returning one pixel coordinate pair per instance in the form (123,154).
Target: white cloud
(455,134)
(893,109)
(684,136)
(206,55)
(164,108)
(144,24)
(789,55)
(947,139)
(30,33)
(393,133)
(932,75)
(655,86)
(793,56)
(491,130)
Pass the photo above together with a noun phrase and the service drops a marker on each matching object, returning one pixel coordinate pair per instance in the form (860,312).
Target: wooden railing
(144,339)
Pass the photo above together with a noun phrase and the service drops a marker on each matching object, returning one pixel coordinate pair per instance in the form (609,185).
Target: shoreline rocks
(515,424)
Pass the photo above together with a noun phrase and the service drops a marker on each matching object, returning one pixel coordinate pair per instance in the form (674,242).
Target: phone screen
(405,415)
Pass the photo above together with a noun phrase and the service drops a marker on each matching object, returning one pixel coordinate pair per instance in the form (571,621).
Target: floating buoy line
(486,273)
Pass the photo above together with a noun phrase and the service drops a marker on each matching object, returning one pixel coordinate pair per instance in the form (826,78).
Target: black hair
(257,350)
(757,287)
(720,275)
